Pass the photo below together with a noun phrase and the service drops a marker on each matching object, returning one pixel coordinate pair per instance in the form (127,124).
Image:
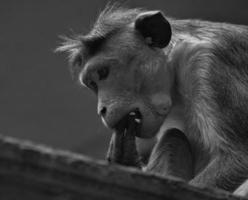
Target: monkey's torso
(212,91)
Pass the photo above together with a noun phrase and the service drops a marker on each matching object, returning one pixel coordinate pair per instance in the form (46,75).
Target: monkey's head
(122,60)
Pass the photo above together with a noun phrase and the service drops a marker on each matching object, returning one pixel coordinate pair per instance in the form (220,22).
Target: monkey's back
(226,79)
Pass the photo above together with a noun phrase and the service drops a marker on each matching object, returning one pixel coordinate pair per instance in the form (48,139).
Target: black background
(38,99)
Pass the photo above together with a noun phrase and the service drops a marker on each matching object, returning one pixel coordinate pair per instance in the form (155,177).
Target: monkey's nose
(103,111)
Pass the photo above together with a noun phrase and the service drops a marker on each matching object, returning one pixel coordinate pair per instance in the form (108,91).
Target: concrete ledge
(30,171)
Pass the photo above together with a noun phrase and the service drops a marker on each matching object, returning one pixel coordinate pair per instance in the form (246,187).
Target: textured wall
(38,99)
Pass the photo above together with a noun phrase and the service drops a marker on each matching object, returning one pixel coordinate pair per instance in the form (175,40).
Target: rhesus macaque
(182,82)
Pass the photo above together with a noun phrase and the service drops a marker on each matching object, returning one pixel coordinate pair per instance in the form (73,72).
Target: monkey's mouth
(130,123)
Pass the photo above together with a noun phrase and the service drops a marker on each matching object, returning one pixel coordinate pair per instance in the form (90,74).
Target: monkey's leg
(122,148)
(225,171)
(172,156)
(242,190)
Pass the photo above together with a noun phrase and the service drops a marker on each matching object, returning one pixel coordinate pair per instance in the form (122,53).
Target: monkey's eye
(103,73)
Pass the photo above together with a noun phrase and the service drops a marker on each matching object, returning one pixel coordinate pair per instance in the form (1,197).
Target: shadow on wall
(38,99)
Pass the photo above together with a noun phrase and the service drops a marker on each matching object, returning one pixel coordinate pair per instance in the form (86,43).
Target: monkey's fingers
(109,151)
(115,150)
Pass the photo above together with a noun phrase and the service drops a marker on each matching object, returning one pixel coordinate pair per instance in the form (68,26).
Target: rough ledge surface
(31,171)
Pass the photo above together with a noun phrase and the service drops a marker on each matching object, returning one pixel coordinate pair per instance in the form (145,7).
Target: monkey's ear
(154,27)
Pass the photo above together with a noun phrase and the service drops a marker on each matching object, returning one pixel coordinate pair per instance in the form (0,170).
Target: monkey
(181,82)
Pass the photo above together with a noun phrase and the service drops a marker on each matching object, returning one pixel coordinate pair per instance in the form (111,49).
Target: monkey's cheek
(148,133)
(161,103)
(149,129)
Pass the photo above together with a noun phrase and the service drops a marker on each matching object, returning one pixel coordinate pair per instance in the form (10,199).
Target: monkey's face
(124,64)
(128,75)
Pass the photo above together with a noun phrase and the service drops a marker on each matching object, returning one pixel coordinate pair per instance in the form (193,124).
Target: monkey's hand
(122,148)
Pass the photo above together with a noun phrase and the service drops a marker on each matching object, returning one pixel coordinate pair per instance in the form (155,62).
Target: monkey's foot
(122,148)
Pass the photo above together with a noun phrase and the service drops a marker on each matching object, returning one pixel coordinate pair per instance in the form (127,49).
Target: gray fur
(211,75)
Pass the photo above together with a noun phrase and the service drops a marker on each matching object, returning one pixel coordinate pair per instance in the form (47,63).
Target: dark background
(38,99)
